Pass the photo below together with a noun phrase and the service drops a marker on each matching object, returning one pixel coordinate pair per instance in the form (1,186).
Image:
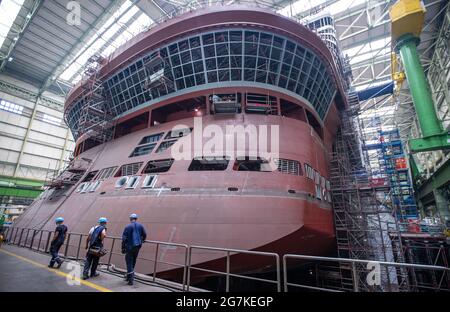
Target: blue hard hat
(133,216)
(102,220)
(59,219)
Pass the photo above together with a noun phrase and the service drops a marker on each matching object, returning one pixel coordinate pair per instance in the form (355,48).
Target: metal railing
(415,276)
(157,255)
(40,240)
(397,275)
(229,254)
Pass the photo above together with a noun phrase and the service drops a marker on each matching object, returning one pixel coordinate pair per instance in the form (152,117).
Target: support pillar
(434,138)
(407,19)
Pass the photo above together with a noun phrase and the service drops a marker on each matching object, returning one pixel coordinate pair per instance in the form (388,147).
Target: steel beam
(27,133)
(36,6)
(64,62)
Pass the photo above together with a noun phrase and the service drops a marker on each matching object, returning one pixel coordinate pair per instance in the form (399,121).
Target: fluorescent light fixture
(11,107)
(51,119)
(10,59)
(8,12)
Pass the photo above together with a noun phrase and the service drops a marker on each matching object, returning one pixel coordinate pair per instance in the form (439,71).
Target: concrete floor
(25,270)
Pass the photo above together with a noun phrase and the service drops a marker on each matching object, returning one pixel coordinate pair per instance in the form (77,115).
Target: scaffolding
(156,68)
(393,168)
(376,217)
(96,120)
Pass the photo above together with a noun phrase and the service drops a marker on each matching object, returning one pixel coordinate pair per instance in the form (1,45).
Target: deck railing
(393,276)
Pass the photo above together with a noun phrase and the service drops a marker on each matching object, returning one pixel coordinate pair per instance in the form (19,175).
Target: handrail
(353,263)
(227,274)
(39,240)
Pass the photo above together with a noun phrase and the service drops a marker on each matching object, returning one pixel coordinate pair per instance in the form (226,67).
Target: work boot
(95,274)
(85,277)
(50,266)
(130,282)
(59,264)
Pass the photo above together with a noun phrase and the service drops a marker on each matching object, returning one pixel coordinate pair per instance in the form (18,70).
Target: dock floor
(22,269)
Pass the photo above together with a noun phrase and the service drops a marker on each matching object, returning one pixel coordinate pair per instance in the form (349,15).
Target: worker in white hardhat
(133,237)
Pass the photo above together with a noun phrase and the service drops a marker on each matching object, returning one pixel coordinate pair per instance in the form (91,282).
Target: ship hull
(276,223)
(262,211)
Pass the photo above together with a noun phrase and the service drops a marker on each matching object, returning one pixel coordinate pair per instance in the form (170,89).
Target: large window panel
(235,54)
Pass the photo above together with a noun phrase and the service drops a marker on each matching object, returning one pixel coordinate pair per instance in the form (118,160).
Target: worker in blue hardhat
(58,240)
(133,237)
(94,246)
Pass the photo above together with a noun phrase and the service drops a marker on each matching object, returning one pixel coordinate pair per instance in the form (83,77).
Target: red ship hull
(272,211)
(269,211)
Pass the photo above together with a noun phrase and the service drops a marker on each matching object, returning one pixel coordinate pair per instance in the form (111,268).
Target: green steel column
(418,85)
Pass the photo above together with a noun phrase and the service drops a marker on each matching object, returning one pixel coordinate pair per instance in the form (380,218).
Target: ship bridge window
(151,138)
(252,164)
(209,164)
(90,176)
(289,166)
(106,173)
(157,166)
(165,145)
(143,150)
(129,169)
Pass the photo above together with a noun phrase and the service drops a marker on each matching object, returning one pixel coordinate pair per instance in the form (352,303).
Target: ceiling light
(10,59)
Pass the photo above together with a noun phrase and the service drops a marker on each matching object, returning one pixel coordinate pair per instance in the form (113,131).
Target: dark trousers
(130,259)
(91,262)
(54,249)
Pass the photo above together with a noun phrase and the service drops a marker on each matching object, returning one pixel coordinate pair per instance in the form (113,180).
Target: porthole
(122,181)
(85,187)
(94,186)
(80,187)
(149,181)
(132,182)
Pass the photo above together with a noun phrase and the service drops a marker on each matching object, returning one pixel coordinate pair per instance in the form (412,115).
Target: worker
(133,237)
(94,246)
(58,240)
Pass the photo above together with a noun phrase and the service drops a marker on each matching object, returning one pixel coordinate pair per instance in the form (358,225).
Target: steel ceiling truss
(19,32)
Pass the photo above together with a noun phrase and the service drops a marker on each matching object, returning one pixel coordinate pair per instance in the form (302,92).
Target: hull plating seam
(220,193)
